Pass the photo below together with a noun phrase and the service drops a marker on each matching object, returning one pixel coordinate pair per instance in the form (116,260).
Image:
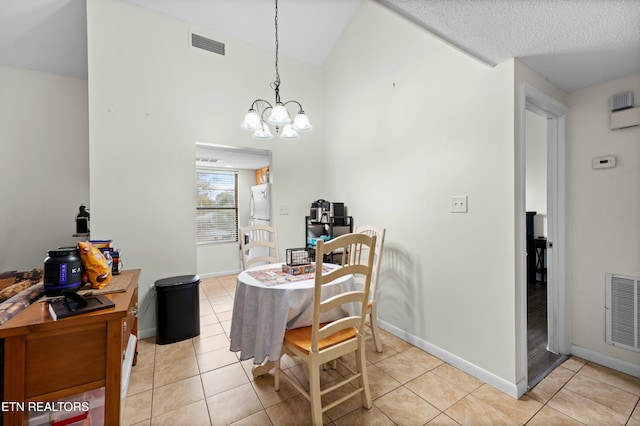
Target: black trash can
(178,309)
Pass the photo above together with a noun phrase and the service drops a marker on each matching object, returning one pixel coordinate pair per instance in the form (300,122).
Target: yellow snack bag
(94,264)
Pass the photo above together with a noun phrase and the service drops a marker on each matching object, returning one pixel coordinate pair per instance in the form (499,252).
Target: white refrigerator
(259,205)
(259,215)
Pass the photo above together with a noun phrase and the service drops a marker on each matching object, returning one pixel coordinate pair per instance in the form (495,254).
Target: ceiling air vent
(207,160)
(622,101)
(207,44)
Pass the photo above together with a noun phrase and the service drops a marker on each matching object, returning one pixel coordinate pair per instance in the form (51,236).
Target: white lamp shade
(251,121)
(288,132)
(263,133)
(301,123)
(279,115)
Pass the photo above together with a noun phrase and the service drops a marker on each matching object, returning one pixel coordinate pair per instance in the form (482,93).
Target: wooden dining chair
(259,245)
(372,309)
(326,342)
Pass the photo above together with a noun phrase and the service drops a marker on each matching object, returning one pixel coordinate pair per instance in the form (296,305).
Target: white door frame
(557,298)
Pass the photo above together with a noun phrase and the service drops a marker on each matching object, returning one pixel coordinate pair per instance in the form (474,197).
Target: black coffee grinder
(82,221)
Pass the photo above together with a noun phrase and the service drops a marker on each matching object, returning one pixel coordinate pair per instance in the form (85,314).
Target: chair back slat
(341,299)
(338,325)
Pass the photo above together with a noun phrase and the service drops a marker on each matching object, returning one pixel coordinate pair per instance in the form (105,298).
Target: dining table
(270,300)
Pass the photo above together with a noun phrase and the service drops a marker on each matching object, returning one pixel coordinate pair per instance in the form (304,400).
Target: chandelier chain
(276,83)
(278,116)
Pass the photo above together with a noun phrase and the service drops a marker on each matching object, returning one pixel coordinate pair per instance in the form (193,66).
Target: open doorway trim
(556,113)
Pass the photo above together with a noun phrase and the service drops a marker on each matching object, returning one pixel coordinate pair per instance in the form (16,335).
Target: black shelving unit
(334,227)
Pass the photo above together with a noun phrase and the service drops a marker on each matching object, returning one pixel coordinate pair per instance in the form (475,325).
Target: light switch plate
(459,204)
(284,209)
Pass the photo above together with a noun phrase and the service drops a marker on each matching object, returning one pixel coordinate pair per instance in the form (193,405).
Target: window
(216,206)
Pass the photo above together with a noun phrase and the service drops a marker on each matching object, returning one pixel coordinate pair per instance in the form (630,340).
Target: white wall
(45,173)
(536,170)
(151,97)
(415,122)
(604,211)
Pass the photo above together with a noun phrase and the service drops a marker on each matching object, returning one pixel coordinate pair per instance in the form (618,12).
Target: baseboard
(219,274)
(511,389)
(146,333)
(605,360)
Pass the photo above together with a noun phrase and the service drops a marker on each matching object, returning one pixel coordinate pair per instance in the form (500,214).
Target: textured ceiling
(572,43)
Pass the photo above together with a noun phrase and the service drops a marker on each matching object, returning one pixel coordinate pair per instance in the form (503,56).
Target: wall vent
(207,160)
(622,101)
(208,44)
(622,311)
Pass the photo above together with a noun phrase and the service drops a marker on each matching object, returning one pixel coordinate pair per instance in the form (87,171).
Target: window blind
(216,206)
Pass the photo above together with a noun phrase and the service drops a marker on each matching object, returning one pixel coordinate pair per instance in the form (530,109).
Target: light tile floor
(200,382)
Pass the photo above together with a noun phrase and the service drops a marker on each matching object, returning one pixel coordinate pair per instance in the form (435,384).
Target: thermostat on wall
(604,162)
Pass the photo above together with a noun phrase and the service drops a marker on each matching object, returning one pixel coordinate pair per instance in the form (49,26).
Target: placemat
(274,276)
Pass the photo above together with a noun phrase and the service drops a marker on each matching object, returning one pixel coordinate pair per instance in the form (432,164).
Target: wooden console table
(45,360)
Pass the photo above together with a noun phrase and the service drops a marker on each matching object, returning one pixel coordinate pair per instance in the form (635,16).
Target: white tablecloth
(262,314)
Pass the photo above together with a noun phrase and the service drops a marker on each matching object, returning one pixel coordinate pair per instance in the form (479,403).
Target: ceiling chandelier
(277,114)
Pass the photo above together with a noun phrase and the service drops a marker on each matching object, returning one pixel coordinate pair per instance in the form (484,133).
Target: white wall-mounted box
(604,162)
(625,118)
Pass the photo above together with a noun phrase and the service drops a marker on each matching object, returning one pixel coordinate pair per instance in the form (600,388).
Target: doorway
(544,186)
(223,258)
(539,358)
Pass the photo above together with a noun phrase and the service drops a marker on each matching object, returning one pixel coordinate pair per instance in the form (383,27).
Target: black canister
(62,271)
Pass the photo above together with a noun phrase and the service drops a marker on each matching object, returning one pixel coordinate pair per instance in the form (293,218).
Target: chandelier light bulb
(263,133)
(279,115)
(251,121)
(289,133)
(301,123)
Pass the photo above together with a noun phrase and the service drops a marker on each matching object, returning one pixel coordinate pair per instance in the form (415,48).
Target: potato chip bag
(94,264)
